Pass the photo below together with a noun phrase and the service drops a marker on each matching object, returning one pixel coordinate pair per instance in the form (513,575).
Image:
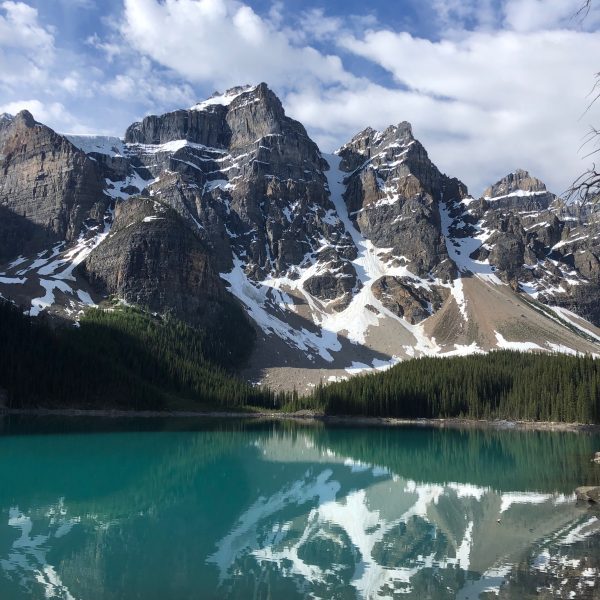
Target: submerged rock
(588,493)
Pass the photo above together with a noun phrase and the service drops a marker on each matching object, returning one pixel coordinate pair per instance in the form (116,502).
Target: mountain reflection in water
(171,508)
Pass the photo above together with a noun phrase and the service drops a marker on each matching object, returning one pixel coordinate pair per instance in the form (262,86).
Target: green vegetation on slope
(127,358)
(502,384)
(122,358)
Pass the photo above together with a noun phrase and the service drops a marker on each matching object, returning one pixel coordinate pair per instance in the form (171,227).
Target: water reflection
(273,510)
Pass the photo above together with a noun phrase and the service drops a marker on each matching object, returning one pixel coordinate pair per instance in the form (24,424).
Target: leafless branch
(586,188)
(594,93)
(584,9)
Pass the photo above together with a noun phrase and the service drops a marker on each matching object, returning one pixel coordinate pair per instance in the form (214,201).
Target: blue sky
(489,85)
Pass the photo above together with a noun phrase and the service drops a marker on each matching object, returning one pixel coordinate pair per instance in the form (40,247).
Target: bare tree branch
(584,9)
(586,188)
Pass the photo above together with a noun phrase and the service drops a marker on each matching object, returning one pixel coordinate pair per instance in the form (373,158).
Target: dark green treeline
(501,384)
(123,358)
(127,358)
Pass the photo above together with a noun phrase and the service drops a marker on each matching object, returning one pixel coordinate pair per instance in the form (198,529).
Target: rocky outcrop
(588,494)
(200,127)
(408,298)
(521,191)
(48,187)
(250,181)
(232,197)
(393,193)
(334,284)
(152,259)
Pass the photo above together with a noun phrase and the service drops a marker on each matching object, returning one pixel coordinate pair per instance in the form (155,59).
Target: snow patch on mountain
(223,99)
(503,343)
(256,297)
(461,248)
(100,144)
(516,194)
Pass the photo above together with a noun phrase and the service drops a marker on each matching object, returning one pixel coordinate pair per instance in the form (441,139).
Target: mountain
(341,263)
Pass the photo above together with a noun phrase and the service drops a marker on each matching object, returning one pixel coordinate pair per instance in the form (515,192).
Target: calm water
(172,509)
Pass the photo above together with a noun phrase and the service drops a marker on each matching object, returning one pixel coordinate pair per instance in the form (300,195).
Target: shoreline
(309,416)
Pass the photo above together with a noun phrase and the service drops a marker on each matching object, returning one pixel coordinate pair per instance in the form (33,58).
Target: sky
(489,86)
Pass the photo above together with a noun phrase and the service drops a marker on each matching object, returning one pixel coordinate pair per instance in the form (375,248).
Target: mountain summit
(341,263)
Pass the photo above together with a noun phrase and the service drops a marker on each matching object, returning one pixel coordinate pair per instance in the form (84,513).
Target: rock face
(589,494)
(251,181)
(520,191)
(407,300)
(152,259)
(537,243)
(369,254)
(393,194)
(48,188)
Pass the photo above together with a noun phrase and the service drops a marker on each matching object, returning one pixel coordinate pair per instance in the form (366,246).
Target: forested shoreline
(125,358)
(121,358)
(500,385)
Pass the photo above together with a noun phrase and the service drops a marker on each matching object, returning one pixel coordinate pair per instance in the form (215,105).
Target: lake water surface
(175,509)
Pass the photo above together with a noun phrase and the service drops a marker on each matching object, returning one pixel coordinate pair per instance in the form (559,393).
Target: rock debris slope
(343,263)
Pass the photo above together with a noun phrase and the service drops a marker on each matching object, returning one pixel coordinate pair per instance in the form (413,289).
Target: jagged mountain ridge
(344,263)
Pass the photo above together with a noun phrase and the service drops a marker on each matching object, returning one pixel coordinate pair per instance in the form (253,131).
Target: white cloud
(459,15)
(223,42)
(26,47)
(503,86)
(54,114)
(19,28)
(456,16)
(484,104)
(319,26)
(149,86)
(110,49)
(537,15)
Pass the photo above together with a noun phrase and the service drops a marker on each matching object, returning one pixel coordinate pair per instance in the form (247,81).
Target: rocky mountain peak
(517,181)
(231,197)
(239,116)
(48,188)
(370,142)
(239,96)
(225,97)
(26,118)
(518,192)
(403,131)
(393,192)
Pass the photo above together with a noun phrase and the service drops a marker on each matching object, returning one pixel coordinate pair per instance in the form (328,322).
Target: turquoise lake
(182,508)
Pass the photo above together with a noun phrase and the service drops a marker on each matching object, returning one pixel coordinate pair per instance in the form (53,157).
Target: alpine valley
(227,217)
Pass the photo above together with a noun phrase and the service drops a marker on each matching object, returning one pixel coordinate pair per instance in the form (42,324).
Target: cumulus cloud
(224,42)
(149,86)
(26,46)
(537,15)
(500,84)
(53,112)
(19,28)
(485,103)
